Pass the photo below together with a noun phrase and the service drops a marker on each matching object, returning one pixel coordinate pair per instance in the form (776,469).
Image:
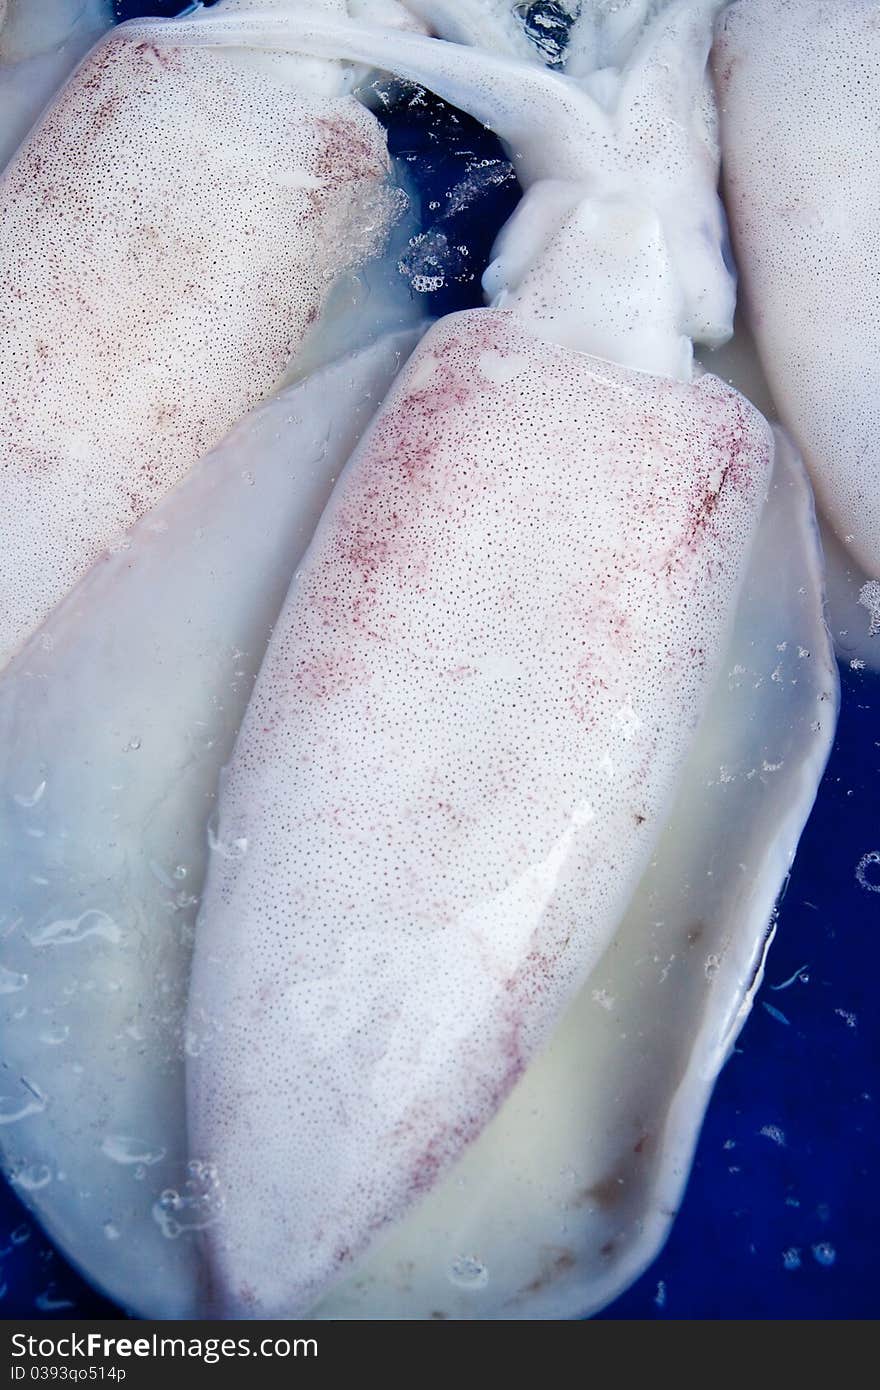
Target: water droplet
(49,1302)
(467,1272)
(27,800)
(21,1234)
(712,966)
(11,981)
(824,1253)
(227,849)
(18,1107)
(111,1231)
(55,1034)
(67,930)
(132,746)
(122,1148)
(32,1177)
(791,1258)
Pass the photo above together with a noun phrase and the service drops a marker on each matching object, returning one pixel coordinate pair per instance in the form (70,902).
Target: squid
(571,1189)
(115,720)
(798,90)
(103,849)
(171,229)
(474,715)
(41,42)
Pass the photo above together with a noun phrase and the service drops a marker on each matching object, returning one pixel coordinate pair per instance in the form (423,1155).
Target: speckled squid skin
(169,231)
(798,87)
(458,755)
(41,42)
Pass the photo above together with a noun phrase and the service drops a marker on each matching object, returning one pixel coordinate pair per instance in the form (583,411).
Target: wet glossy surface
(781,1216)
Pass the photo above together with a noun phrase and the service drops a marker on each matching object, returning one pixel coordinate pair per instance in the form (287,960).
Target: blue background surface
(781,1217)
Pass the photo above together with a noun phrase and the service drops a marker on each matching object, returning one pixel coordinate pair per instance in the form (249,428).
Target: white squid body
(170,229)
(463,743)
(569,1192)
(41,41)
(115,720)
(799,87)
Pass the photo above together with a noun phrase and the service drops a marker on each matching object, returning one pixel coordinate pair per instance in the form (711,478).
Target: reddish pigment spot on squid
(555,1265)
(414,461)
(325,676)
(344,153)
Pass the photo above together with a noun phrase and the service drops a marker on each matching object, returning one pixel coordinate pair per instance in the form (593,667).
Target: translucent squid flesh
(476,704)
(170,230)
(115,721)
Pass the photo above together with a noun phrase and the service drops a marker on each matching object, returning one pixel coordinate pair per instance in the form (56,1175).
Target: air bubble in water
(824,1253)
(871,884)
(197,1206)
(869,597)
(775,1133)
